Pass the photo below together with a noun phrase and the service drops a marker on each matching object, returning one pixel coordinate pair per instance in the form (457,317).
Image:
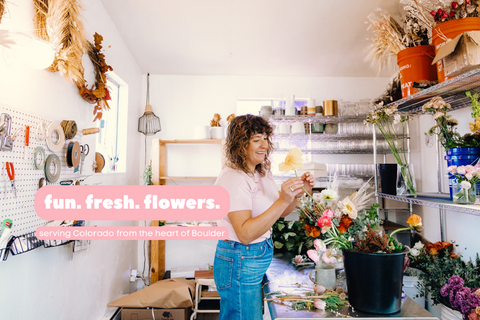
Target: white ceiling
(249,37)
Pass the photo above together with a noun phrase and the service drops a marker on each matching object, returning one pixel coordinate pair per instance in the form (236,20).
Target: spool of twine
(69,128)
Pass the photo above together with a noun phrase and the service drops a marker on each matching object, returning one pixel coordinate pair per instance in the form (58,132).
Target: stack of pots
(449,30)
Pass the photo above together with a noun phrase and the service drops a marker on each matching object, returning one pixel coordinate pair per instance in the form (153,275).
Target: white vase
(217,133)
(449,314)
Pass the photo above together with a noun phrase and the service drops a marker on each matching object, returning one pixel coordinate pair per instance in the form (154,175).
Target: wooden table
(282,276)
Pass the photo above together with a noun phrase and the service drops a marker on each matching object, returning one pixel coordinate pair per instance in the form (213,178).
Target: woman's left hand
(308,181)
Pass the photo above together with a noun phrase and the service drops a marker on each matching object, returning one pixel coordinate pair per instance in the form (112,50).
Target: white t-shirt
(247,192)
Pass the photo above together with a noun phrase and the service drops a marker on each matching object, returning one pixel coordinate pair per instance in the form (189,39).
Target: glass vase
(406,181)
(462,194)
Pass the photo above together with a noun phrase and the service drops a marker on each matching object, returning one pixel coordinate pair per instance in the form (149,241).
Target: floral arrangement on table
(445,127)
(387,119)
(449,280)
(339,223)
(433,12)
(147,175)
(390,37)
(466,178)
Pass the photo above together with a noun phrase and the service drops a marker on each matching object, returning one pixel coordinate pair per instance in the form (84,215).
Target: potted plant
(373,260)
(450,282)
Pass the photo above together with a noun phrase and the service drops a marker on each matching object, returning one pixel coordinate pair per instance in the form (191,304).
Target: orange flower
(414,221)
(431,249)
(312,231)
(345,224)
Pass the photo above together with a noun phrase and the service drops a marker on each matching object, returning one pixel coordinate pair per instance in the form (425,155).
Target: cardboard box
(160,314)
(460,54)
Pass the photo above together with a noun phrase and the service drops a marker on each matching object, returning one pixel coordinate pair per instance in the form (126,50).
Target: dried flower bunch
(433,12)
(320,299)
(2,9)
(98,94)
(215,122)
(390,37)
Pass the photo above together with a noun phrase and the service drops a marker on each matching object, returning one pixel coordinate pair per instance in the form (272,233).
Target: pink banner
(132,233)
(132,202)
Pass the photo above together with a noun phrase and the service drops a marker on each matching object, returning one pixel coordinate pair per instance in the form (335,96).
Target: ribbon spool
(55,160)
(55,128)
(40,133)
(69,128)
(73,154)
(39,152)
(100,160)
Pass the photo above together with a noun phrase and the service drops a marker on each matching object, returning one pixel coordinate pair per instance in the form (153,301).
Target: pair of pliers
(11,176)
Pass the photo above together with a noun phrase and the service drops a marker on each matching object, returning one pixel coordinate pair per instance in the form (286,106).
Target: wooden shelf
(193,141)
(186,178)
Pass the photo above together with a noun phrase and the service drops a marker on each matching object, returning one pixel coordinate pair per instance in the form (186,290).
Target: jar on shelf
(317,127)
(463,192)
(331,128)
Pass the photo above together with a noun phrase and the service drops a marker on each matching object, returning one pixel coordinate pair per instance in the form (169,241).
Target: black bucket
(374,281)
(388,178)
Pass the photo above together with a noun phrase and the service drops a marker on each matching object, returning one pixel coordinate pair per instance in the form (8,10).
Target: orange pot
(449,30)
(416,64)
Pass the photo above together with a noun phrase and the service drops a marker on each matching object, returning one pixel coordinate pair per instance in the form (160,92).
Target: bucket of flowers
(463,188)
(373,260)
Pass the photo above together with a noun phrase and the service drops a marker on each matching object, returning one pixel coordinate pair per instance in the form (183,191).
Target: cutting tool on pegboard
(11,176)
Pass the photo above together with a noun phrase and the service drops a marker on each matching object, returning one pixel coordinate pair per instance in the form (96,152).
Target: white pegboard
(27,177)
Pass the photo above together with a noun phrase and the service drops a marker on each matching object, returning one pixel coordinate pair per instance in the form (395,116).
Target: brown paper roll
(330,108)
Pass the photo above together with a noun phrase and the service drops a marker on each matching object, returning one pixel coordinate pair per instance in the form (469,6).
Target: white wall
(54,283)
(182,102)
(461,227)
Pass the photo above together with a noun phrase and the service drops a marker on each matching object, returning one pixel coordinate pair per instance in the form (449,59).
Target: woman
(255,204)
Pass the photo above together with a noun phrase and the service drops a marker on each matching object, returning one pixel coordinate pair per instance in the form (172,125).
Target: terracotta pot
(449,30)
(416,64)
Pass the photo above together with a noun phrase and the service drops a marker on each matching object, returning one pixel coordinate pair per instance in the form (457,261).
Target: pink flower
(313,255)
(319,245)
(470,169)
(461,170)
(328,213)
(319,304)
(324,221)
(319,289)
(452,169)
(298,259)
(328,257)
(469,176)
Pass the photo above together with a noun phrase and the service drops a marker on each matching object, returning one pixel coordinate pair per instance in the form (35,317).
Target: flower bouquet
(464,187)
(387,120)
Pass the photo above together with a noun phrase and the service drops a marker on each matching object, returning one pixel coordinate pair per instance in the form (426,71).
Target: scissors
(11,175)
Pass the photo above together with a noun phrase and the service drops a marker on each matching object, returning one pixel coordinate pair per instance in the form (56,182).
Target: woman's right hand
(291,188)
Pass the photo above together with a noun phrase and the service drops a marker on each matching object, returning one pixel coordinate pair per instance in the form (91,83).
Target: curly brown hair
(240,131)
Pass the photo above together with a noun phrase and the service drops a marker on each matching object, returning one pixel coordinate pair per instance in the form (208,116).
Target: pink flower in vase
(328,257)
(470,169)
(319,245)
(313,255)
(461,170)
(452,169)
(328,213)
(469,175)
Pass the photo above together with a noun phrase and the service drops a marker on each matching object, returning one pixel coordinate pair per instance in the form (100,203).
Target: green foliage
(375,242)
(474,99)
(147,175)
(289,236)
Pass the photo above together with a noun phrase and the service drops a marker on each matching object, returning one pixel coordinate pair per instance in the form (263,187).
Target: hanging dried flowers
(60,23)
(98,94)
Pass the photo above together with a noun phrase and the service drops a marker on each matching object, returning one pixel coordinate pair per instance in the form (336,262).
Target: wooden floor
(207,316)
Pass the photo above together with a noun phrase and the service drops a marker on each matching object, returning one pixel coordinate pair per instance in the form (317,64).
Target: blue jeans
(238,273)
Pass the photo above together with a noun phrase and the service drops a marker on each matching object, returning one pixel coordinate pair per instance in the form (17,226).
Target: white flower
(414,252)
(348,208)
(397,118)
(419,245)
(319,289)
(465,185)
(318,197)
(438,115)
(391,110)
(469,176)
(329,194)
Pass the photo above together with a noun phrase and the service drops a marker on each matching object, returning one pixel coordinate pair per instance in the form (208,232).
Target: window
(112,141)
